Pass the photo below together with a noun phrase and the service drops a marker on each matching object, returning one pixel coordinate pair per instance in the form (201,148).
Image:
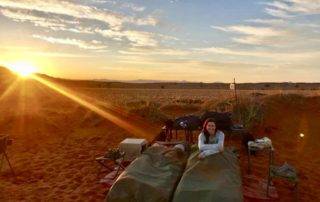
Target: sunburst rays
(109,115)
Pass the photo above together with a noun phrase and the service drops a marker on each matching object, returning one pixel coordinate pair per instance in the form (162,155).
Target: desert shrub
(257,94)
(136,104)
(224,106)
(150,111)
(215,105)
(181,107)
(189,101)
(248,112)
(209,105)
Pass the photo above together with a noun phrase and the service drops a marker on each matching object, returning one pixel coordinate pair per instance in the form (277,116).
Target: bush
(214,105)
(182,107)
(136,104)
(249,113)
(224,106)
(189,101)
(150,111)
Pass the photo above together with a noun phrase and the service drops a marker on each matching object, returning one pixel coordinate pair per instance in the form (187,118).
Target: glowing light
(108,115)
(301,135)
(23,69)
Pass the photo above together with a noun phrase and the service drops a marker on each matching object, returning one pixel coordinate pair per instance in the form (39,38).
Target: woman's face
(211,127)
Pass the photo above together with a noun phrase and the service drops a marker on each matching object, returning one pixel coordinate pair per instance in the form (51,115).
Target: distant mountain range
(143,81)
(6,75)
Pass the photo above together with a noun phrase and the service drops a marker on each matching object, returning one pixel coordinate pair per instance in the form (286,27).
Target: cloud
(311,25)
(20,16)
(133,7)
(287,56)
(145,21)
(71,17)
(290,8)
(67,8)
(253,35)
(55,24)
(267,21)
(102,1)
(156,51)
(113,19)
(93,45)
(59,54)
(277,13)
(75,17)
(136,38)
(140,38)
(256,31)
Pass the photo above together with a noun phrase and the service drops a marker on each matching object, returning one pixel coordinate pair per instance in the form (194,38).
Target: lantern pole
(235,90)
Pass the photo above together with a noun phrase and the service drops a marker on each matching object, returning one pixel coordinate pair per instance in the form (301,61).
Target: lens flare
(105,114)
(23,69)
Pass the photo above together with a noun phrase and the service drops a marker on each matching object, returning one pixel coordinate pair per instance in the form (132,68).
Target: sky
(192,40)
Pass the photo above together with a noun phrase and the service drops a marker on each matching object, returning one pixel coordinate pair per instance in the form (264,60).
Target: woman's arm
(214,147)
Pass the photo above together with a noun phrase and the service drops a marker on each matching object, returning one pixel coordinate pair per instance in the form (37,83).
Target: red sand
(56,142)
(284,122)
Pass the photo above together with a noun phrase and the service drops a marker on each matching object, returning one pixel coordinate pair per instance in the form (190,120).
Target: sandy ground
(55,142)
(285,121)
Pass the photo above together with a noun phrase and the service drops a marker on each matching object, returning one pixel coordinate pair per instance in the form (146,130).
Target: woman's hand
(201,155)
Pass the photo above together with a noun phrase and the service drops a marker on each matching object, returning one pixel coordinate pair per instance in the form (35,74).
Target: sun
(23,69)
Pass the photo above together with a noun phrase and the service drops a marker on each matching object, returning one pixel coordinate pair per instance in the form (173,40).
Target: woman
(210,140)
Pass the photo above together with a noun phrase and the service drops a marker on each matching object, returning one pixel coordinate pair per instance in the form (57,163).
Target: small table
(279,172)
(112,164)
(269,149)
(133,147)
(4,141)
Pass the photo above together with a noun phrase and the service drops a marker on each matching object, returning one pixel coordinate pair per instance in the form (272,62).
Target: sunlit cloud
(290,8)
(67,8)
(74,42)
(136,38)
(156,51)
(21,16)
(113,19)
(267,21)
(277,13)
(145,21)
(55,24)
(59,54)
(141,38)
(250,30)
(253,35)
(133,7)
(287,56)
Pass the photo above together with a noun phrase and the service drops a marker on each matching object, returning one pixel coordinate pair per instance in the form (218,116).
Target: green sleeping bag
(214,178)
(152,177)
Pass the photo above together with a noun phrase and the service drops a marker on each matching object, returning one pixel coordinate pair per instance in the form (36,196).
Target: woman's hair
(205,131)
